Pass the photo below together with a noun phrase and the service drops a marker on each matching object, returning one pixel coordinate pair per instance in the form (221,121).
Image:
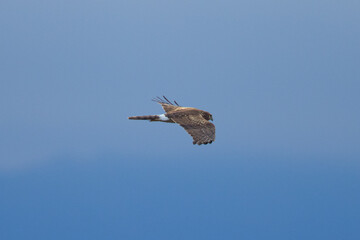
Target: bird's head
(207,116)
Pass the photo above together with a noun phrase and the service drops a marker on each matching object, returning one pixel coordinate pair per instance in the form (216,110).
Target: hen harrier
(193,120)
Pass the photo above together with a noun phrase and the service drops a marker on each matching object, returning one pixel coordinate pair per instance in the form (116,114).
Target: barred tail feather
(147,117)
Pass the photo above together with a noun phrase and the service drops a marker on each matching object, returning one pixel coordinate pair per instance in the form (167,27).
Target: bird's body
(193,120)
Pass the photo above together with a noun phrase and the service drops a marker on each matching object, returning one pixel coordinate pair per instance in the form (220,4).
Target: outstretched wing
(166,104)
(201,130)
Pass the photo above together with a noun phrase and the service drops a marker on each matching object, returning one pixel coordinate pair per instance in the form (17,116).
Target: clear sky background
(281,78)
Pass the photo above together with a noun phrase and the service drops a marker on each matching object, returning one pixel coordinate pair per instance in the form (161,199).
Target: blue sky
(281,79)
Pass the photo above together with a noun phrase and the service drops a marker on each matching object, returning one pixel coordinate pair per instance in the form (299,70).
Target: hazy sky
(281,78)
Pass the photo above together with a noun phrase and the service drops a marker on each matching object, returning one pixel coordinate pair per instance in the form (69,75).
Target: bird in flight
(195,121)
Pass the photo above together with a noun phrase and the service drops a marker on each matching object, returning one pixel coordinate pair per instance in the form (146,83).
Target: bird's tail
(147,117)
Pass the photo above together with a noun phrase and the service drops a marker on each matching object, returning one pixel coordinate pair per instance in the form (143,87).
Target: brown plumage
(193,120)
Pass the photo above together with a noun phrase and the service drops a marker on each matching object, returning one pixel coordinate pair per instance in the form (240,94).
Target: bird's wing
(201,130)
(166,104)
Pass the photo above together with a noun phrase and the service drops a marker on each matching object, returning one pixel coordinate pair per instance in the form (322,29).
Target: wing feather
(167,105)
(201,130)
